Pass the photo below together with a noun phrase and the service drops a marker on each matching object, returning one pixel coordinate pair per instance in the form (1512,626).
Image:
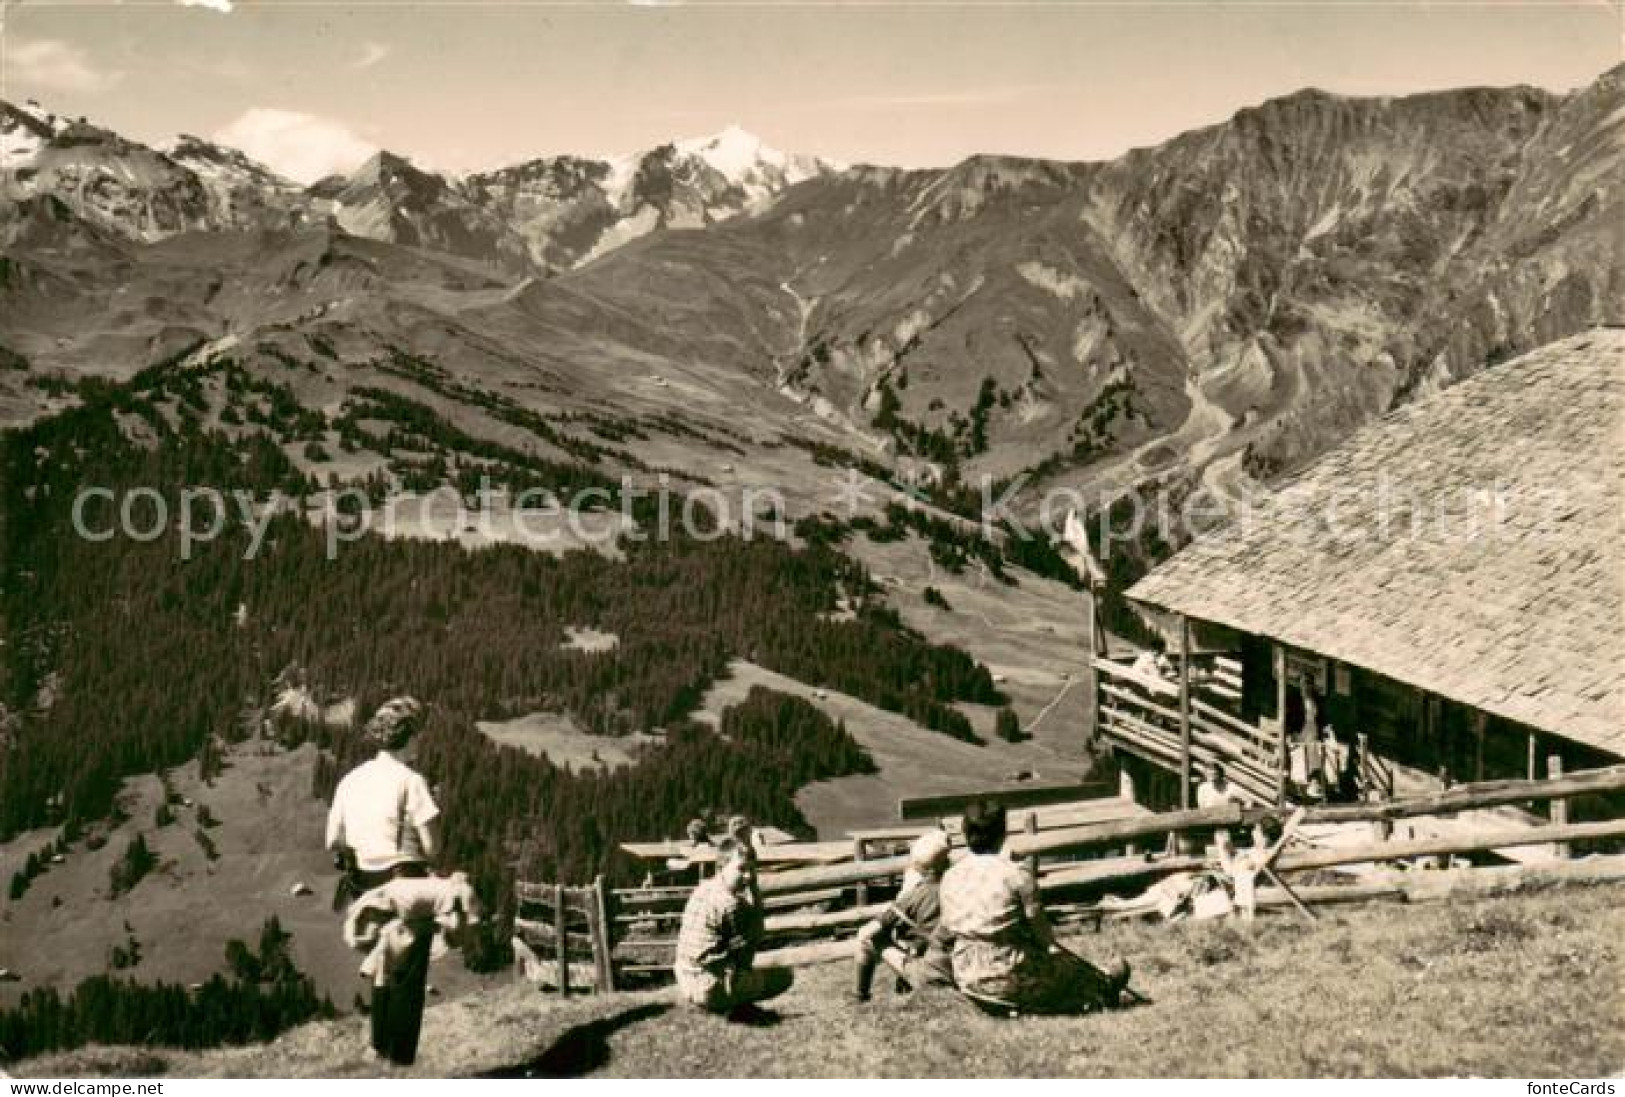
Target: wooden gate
(568,926)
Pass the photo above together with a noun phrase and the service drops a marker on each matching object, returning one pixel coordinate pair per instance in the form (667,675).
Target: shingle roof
(1525,619)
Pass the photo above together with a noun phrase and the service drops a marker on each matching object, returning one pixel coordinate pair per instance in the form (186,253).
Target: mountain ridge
(582,207)
(1230,301)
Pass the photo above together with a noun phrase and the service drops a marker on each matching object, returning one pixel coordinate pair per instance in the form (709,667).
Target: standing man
(717,943)
(384,826)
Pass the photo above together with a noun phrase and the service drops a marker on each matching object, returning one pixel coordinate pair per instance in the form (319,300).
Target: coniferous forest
(123,657)
(264,995)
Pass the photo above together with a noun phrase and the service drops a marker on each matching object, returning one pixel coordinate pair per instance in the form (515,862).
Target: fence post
(598,918)
(861,893)
(1032,829)
(1560,806)
(561,945)
(1479,722)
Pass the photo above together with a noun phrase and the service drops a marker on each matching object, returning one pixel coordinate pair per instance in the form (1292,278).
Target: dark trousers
(869,952)
(397,1005)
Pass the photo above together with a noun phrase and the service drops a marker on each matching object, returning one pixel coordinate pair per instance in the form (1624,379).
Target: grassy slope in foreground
(1526,986)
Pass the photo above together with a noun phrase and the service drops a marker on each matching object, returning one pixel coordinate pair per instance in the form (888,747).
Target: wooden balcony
(1140,713)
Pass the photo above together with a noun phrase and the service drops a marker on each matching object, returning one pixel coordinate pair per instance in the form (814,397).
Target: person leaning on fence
(1216,790)
(1004,951)
(716,946)
(906,935)
(1241,868)
(384,826)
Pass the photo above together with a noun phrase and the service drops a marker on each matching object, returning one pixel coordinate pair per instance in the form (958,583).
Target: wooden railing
(1375,774)
(1140,713)
(811,910)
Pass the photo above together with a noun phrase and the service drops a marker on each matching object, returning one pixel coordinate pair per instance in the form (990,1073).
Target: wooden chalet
(1447,585)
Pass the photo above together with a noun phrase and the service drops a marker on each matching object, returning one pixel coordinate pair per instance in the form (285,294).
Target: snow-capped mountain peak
(733,152)
(747,161)
(23,131)
(207,158)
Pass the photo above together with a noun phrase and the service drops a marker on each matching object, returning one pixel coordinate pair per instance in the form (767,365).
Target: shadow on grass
(754,1016)
(580,1050)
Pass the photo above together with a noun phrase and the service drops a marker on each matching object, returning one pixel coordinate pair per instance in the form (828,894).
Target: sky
(313,87)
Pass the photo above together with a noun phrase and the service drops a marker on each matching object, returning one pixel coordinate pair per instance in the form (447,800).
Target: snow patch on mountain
(1058,282)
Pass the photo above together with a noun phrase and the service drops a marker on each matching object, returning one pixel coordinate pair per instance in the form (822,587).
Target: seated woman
(1004,951)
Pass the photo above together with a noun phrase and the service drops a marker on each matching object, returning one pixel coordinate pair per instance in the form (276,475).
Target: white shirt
(376,811)
(1209,795)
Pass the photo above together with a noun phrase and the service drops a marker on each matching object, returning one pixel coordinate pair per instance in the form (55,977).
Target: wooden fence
(1028,796)
(812,909)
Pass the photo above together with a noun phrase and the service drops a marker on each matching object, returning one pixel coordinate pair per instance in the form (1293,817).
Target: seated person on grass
(905,935)
(722,926)
(1004,951)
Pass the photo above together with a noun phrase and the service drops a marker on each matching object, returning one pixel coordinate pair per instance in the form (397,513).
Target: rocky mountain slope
(540,216)
(570,209)
(1228,303)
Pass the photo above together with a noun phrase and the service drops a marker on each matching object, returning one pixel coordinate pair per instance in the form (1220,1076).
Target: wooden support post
(1125,790)
(1560,806)
(1534,768)
(1479,722)
(561,930)
(1383,828)
(600,938)
(1096,646)
(858,851)
(1184,713)
(1283,758)
(1091,679)
(1032,829)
